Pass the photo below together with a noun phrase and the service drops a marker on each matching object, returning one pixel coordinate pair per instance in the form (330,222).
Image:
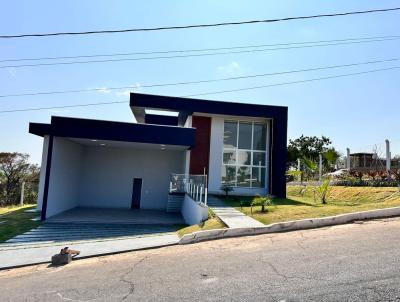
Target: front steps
(175,202)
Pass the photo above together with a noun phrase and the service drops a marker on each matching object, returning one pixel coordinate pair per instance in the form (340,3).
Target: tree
(15,168)
(310,147)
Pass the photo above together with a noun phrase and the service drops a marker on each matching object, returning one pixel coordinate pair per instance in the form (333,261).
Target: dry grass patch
(210,224)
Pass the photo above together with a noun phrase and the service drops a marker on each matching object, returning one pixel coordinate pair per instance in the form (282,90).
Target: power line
(293,82)
(187,55)
(207,93)
(361,40)
(198,25)
(200,81)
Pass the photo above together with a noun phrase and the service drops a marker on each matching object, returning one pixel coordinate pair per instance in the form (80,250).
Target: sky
(356,112)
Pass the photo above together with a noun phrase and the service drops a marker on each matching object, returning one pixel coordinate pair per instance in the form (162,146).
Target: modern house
(107,164)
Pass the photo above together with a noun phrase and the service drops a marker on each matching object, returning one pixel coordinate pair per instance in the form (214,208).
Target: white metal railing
(193,185)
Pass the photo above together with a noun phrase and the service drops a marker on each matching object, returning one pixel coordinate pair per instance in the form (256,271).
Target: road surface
(355,262)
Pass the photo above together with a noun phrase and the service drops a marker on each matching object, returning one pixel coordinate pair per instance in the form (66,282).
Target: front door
(136,193)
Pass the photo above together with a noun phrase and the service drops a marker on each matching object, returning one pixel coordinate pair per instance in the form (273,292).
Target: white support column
(348,162)
(21,200)
(320,167)
(388,155)
(299,178)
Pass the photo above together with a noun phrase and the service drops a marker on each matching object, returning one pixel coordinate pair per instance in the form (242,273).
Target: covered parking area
(109,171)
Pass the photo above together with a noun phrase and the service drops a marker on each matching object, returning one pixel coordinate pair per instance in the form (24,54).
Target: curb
(288,226)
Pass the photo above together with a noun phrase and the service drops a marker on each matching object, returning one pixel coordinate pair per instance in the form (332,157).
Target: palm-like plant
(310,165)
(323,190)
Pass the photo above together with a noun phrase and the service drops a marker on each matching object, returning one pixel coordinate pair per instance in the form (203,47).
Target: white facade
(193,212)
(102,176)
(108,173)
(43,172)
(64,179)
(85,173)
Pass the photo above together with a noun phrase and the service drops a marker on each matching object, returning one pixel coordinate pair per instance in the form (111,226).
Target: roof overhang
(115,131)
(185,106)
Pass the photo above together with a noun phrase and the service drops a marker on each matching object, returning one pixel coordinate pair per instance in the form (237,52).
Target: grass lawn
(16,221)
(212,223)
(341,200)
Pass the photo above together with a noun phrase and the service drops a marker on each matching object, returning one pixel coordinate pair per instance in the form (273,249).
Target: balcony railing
(193,185)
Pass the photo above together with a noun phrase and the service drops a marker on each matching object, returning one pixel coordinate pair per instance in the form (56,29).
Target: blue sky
(354,112)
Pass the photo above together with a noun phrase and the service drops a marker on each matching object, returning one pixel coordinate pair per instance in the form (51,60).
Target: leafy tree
(309,147)
(14,169)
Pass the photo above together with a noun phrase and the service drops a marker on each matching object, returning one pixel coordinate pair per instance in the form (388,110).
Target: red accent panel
(200,154)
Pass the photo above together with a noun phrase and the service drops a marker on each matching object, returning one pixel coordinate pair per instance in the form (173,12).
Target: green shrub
(262,201)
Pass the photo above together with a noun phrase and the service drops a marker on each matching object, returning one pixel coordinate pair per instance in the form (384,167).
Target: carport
(91,166)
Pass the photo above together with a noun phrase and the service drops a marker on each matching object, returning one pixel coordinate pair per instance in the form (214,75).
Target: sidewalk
(230,216)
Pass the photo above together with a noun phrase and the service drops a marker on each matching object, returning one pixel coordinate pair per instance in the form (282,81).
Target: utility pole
(21,199)
(299,177)
(348,163)
(320,167)
(388,155)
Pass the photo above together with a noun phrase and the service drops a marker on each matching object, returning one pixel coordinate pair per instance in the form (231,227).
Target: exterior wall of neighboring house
(63,191)
(108,173)
(42,172)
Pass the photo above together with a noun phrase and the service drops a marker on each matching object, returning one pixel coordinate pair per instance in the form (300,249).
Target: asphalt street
(355,262)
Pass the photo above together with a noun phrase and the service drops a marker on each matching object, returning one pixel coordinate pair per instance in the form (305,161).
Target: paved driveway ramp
(230,216)
(38,245)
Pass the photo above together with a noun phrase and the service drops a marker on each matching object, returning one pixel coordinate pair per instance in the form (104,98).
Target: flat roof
(187,106)
(115,131)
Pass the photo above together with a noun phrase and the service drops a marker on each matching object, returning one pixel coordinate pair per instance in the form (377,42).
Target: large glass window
(245,135)
(244,154)
(230,135)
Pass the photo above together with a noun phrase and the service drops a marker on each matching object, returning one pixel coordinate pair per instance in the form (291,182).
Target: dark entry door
(136,193)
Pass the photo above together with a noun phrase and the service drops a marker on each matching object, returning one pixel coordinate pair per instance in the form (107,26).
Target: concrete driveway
(93,232)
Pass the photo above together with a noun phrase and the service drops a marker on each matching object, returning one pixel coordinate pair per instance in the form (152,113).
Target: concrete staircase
(175,202)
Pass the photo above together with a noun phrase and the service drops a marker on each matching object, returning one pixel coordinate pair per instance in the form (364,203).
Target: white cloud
(103,89)
(231,68)
(134,88)
(12,71)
